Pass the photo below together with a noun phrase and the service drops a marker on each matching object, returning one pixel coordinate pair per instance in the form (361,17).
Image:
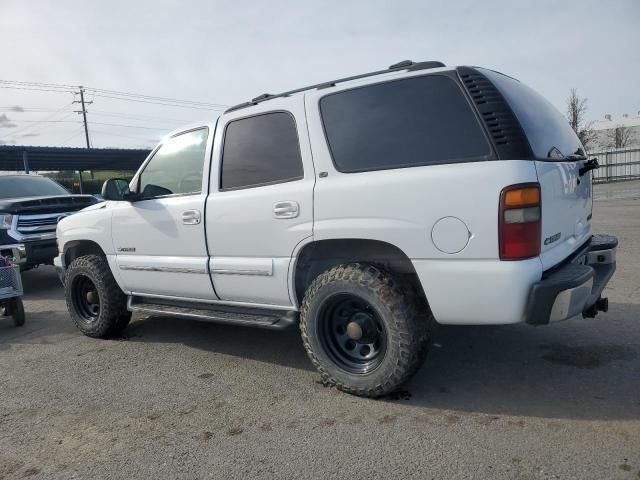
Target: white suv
(364,209)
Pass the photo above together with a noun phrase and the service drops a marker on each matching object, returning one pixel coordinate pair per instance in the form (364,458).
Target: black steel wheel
(86,299)
(95,302)
(364,332)
(352,333)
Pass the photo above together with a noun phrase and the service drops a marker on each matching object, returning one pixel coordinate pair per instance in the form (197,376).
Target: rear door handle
(191,217)
(286,209)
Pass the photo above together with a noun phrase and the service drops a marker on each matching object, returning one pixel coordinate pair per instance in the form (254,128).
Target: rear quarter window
(545,127)
(415,121)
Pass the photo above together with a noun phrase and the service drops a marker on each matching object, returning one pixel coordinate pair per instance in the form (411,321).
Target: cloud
(7,142)
(16,108)
(5,122)
(29,135)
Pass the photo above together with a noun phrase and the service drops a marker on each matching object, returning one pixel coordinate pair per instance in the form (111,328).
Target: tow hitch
(601,305)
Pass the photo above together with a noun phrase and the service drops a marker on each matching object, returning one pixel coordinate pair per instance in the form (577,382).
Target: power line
(137,117)
(128,126)
(160,103)
(40,84)
(12,109)
(105,113)
(47,121)
(114,94)
(102,132)
(36,89)
(72,136)
(159,99)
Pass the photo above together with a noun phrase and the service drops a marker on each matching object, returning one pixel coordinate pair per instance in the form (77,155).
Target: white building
(605,132)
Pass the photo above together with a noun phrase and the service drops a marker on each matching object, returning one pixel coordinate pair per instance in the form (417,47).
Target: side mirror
(115,189)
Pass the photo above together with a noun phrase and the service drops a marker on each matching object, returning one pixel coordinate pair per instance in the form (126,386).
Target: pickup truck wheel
(95,302)
(17,312)
(363,333)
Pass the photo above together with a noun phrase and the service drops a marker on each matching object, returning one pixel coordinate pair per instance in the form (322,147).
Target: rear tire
(95,302)
(364,333)
(17,312)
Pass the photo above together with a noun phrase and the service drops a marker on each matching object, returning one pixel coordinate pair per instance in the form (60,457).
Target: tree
(576,114)
(620,136)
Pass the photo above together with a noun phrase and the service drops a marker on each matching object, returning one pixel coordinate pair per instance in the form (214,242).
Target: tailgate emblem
(552,238)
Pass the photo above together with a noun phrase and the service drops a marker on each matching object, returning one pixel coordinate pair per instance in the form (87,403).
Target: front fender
(93,224)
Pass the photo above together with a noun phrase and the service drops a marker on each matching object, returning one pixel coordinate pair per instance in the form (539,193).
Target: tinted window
(177,166)
(29,186)
(416,121)
(261,150)
(544,126)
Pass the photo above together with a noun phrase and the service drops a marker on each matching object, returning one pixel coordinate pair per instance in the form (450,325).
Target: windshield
(546,128)
(29,186)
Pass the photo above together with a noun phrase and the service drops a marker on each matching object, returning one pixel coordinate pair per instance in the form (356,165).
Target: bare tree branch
(576,115)
(620,137)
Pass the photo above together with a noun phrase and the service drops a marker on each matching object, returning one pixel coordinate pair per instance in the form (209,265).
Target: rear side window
(261,150)
(545,127)
(416,121)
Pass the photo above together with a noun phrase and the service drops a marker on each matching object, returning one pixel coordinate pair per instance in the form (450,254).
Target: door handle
(191,217)
(286,209)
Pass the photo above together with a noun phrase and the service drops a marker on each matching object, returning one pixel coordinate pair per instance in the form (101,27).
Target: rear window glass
(403,123)
(261,150)
(545,127)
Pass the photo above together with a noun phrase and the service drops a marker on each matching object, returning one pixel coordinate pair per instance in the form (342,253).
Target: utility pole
(86,129)
(84,117)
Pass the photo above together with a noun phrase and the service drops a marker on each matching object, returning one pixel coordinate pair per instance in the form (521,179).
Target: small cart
(11,292)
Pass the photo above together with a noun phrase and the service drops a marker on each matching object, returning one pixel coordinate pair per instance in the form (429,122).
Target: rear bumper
(575,287)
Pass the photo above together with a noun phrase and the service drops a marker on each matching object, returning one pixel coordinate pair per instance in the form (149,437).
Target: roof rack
(403,65)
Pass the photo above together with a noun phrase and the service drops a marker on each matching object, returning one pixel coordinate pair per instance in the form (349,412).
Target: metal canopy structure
(16,157)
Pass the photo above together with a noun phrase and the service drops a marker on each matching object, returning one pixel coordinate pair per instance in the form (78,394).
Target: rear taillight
(519,221)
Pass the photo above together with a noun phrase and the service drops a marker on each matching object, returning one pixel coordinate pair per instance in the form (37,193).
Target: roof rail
(403,65)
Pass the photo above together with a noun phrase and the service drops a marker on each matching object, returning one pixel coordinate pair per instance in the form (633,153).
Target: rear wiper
(575,157)
(588,166)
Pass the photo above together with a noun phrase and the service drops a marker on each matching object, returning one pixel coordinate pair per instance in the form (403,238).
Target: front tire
(17,312)
(97,305)
(364,333)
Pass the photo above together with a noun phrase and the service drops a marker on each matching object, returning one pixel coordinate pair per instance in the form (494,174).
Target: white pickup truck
(363,209)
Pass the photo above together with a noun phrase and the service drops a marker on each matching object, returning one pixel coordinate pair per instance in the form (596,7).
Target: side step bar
(253,317)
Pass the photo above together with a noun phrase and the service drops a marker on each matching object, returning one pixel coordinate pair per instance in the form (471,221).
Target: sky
(225,52)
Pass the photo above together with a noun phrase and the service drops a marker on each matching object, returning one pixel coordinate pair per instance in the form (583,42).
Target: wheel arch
(79,248)
(317,256)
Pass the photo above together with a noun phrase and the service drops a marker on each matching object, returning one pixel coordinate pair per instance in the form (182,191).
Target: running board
(247,316)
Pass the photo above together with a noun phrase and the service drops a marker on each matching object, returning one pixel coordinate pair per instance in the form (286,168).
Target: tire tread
(411,325)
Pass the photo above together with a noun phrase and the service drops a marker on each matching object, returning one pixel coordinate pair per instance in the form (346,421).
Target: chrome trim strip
(38,228)
(33,236)
(22,234)
(44,216)
(145,268)
(227,271)
(287,308)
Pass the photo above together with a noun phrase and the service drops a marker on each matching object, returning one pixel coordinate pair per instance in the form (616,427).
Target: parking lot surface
(177,398)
